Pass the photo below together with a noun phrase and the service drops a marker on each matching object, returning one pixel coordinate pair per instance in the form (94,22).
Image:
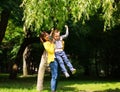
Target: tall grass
(28,84)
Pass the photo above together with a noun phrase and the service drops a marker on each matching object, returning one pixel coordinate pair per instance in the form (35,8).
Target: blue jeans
(61,58)
(54,74)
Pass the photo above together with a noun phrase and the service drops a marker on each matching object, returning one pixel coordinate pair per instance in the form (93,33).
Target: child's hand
(66,26)
(52,30)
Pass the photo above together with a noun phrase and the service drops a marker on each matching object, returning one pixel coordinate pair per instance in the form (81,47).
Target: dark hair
(42,35)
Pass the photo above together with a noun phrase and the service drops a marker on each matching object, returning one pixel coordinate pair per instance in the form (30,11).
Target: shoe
(73,71)
(66,74)
(53,91)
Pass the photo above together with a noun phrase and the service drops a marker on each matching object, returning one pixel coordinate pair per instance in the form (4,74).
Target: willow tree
(44,14)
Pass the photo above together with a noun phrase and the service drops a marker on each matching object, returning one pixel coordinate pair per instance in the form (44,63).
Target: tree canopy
(45,14)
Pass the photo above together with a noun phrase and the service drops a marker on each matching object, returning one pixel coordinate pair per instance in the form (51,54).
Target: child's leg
(61,63)
(67,61)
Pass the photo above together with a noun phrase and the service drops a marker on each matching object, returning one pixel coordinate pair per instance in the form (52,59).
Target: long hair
(42,36)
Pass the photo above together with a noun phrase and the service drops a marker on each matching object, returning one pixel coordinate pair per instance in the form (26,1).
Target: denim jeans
(54,74)
(61,58)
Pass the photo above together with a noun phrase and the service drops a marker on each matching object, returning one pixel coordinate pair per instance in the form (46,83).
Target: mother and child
(54,46)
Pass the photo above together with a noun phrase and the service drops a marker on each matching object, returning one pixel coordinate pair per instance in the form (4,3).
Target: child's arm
(51,35)
(66,34)
(51,31)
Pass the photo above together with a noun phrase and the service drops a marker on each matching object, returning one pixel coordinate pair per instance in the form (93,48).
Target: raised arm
(66,34)
(52,30)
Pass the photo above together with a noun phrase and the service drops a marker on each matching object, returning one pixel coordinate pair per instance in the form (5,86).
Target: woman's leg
(54,73)
(61,63)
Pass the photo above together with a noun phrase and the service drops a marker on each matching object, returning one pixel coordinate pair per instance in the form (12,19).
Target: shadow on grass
(19,83)
(110,90)
(71,89)
(64,85)
(66,89)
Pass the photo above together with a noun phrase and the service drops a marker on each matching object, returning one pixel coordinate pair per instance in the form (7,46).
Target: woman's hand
(41,40)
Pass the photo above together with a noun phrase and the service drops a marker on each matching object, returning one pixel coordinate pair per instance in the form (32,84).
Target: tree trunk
(25,71)
(41,71)
(18,58)
(3,23)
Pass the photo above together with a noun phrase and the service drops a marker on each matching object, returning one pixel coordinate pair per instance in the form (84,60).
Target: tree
(41,71)
(3,23)
(5,12)
(45,14)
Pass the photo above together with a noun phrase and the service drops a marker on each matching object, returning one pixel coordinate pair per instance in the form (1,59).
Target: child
(50,48)
(59,52)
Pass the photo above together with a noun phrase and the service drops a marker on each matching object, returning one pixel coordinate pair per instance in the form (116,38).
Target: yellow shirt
(50,48)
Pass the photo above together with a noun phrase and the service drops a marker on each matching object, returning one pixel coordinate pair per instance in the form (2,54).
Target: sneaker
(73,71)
(53,91)
(66,74)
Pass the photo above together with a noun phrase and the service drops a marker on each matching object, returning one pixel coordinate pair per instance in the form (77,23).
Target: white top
(58,43)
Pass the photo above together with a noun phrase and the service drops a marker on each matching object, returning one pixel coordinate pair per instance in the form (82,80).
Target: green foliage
(13,39)
(107,13)
(8,4)
(13,32)
(14,51)
(116,15)
(45,14)
(83,8)
(0,51)
(15,12)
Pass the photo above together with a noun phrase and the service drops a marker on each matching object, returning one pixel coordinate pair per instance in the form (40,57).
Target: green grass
(73,84)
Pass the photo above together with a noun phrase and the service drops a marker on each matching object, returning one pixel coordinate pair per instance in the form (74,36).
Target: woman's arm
(49,47)
(41,40)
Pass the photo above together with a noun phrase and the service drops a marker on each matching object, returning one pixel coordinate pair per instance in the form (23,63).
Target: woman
(49,46)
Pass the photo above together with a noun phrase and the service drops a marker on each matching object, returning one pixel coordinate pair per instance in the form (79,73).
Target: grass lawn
(73,84)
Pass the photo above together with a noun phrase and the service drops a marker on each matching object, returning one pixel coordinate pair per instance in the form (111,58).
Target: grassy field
(73,84)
